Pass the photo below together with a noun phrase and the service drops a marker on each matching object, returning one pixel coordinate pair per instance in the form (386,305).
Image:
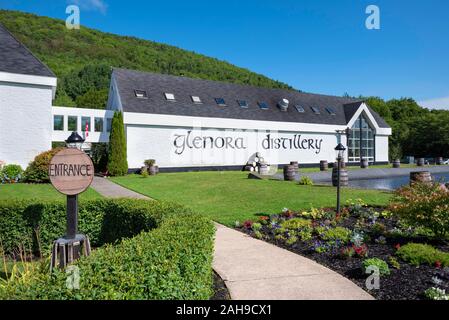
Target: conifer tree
(117,160)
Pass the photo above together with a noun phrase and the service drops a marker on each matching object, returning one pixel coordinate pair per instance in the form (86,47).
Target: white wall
(382,149)
(25,121)
(169,147)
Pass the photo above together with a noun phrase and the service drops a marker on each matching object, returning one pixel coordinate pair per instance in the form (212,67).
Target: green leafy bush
(167,253)
(417,254)
(296,223)
(338,234)
(384,270)
(306,181)
(37,171)
(117,155)
(423,205)
(436,294)
(11,173)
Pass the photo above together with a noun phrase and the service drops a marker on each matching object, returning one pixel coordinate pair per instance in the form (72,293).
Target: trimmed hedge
(167,253)
(418,254)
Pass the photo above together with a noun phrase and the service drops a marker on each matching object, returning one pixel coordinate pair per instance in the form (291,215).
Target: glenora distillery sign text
(191,141)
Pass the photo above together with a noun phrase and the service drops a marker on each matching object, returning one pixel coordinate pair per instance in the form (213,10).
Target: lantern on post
(340,151)
(71,172)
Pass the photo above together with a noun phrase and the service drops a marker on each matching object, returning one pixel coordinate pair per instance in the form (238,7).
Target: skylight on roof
(141,94)
(331,111)
(315,110)
(169,96)
(196,99)
(221,102)
(299,108)
(242,103)
(263,105)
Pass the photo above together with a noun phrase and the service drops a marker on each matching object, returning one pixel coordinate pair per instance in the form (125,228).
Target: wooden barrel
(396,164)
(421,177)
(324,165)
(289,173)
(439,161)
(420,162)
(344,177)
(342,165)
(296,165)
(263,169)
(364,164)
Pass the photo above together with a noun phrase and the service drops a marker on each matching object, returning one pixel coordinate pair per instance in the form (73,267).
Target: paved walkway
(109,189)
(253,269)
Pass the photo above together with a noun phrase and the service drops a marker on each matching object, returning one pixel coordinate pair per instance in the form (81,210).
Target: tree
(117,158)
(94,99)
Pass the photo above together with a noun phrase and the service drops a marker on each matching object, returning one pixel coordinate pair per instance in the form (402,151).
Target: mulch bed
(221,292)
(407,283)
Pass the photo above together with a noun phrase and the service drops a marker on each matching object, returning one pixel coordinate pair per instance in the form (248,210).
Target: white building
(183,123)
(27,88)
(199,124)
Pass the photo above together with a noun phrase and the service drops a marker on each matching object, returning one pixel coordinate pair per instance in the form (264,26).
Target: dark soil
(220,290)
(407,283)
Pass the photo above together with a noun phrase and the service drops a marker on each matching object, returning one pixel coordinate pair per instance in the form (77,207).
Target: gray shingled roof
(183,88)
(16,58)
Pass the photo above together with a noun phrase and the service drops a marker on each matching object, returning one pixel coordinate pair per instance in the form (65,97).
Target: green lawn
(37,191)
(229,196)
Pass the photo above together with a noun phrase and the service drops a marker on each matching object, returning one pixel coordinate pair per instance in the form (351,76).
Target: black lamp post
(75,141)
(340,149)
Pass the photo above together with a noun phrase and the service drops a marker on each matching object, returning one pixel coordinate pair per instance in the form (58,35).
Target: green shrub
(296,223)
(305,181)
(384,270)
(423,205)
(11,173)
(338,234)
(436,294)
(150,162)
(417,254)
(117,155)
(170,259)
(99,155)
(37,171)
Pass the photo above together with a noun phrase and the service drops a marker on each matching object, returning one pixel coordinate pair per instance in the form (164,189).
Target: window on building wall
(196,99)
(72,123)
(58,123)
(315,110)
(361,141)
(221,102)
(263,105)
(98,124)
(141,94)
(85,124)
(299,108)
(169,96)
(243,104)
(108,124)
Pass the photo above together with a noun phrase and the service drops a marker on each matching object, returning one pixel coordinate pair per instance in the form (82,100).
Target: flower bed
(360,238)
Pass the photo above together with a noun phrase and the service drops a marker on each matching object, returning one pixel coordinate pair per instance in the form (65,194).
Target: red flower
(398,246)
(248,224)
(264,218)
(438,264)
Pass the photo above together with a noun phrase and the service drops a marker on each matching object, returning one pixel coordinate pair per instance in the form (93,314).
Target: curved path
(256,270)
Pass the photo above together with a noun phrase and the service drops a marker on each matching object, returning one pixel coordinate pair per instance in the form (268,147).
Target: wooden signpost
(71,172)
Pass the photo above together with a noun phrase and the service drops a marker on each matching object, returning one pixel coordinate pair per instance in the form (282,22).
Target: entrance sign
(71,171)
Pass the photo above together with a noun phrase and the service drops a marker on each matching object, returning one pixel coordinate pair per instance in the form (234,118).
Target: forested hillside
(82,59)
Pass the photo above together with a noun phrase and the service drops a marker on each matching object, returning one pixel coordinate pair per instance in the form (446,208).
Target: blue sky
(316,46)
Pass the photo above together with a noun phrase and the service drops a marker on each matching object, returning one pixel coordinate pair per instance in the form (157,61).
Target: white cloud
(92,5)
(439,103)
